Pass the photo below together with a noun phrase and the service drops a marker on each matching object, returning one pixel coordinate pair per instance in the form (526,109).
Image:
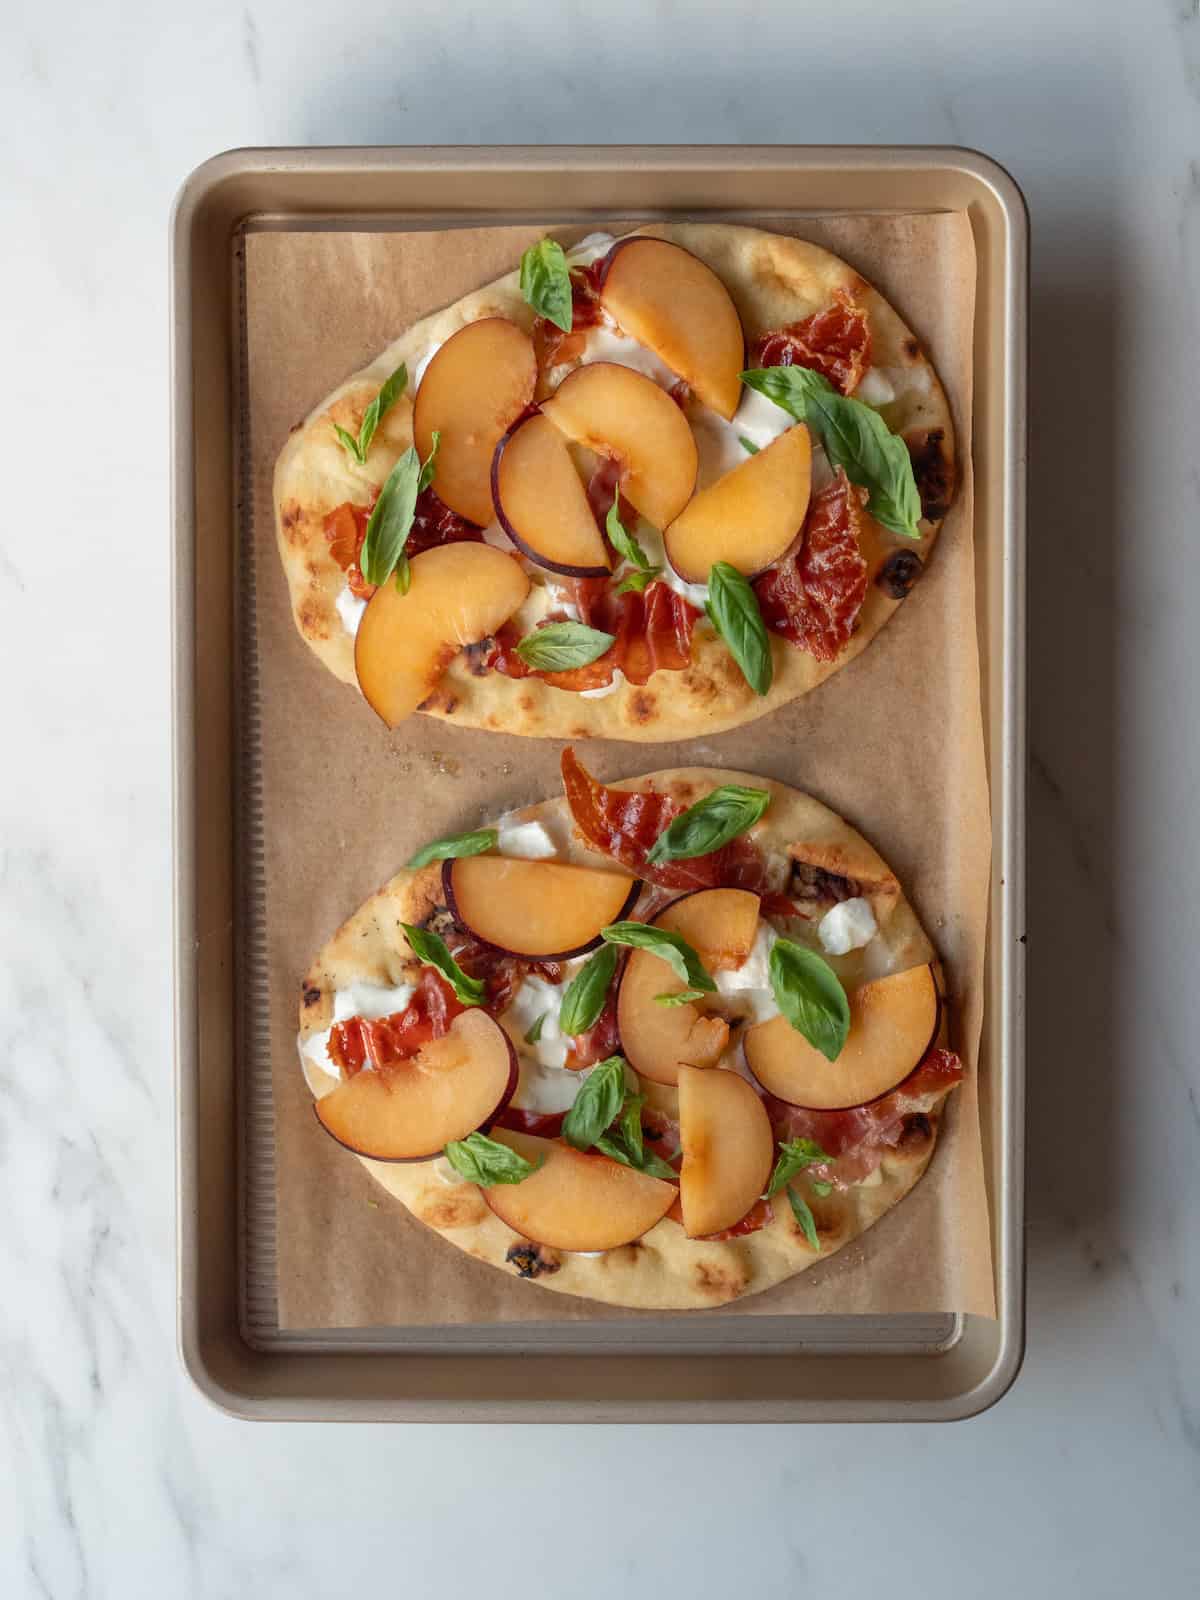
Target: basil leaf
(392,518)
(391,391)
(430,467)
(819,1186)
(431,950)
(349,444)
(559,646)
(637,581)
(534,1032)
(805,1218)
(856,438)
(710,823)
(546,283)
(676,952)
(683,998)
(793,1158)
(629,1128)
(597,1104)
(455,845)
(403,574)
(487,1162)
(809,994)
(622,541)
(651,1164)
(748,444)
(584,998)
(734,612)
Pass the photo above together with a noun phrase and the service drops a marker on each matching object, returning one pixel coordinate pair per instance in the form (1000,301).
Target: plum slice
(728,1149)
(750,516)
(541,501)
(540,910)
(458,594)
(409,1110)
(471,393)
(620,413)
(577,1200)
(673,302)
(892,1023)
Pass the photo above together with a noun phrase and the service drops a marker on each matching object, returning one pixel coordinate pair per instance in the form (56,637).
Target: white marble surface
(116,1479)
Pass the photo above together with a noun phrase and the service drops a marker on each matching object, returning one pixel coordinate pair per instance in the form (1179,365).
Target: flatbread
(774,280)
(664,1270)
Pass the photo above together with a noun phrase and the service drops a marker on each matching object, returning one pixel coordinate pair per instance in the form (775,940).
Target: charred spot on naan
(899,573)
(532,1260)
(721,1278)
(934,470)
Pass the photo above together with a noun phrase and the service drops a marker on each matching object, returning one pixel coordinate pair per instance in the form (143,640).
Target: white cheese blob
(651,542)
(367,1000)
(417,369)
(747,989)
(777,870)
(529,840)
(873,388)
(608,344)
(495,535)
(536,998)
(590,249)
(350,608)
(847,926)
(605,689)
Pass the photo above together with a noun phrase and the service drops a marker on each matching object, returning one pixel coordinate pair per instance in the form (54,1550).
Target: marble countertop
(119,1479)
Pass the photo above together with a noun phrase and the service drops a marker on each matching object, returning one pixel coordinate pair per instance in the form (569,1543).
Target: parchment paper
(893,742)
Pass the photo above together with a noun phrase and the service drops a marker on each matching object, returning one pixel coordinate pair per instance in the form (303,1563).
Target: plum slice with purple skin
(541,502)
(537,910)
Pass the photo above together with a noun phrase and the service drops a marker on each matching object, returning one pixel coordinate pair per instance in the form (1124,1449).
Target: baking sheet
(893,742)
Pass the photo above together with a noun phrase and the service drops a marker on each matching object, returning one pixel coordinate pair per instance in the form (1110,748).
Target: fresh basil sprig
(559,646)
(584,997)
(683,998)
(456,845)
(748,445)
(819,1186)
(624,1142)
(793,1158)
(804,1217)
(622,540)
(391,391)
(597,1104)
(430,949)
(856,438)
(710,823)
(634,582)
(546,283)
(534,1031)
(733,610)
(670,947)
(811,997)
(391,520)
(487,1162)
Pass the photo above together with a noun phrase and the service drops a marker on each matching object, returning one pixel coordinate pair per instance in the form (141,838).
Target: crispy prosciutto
(601,1040)
(813,596)
(357,1043)
(835,342)
(653,633)
(624,824)
(856,1139)
(433,523)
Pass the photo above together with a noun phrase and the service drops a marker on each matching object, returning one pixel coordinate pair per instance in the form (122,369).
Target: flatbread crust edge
(774,279)
(664,1270)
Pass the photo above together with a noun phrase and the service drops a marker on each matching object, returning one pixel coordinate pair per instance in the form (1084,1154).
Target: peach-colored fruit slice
(670,300)
(542,504)
(623,414)
(459,593)
(728,1149)
(750,516)
(892,1021)
(547,910)
(473,390)
(410,1110)
(720,925)
(577,1201)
